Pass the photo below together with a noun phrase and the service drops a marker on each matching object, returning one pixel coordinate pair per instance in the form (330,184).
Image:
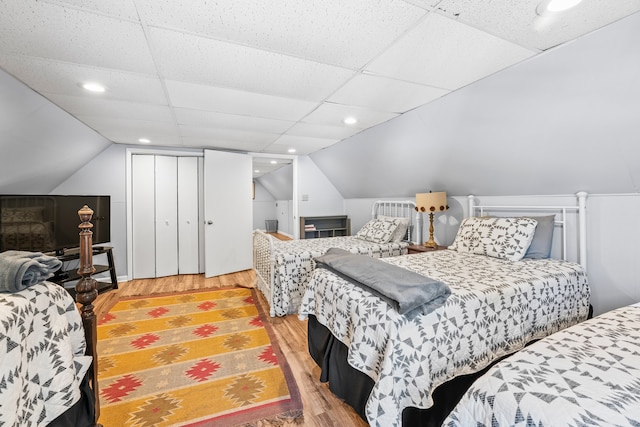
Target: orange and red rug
(205,358)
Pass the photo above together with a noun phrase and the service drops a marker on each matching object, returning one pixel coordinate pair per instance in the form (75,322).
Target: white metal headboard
(580,207)
(403,208)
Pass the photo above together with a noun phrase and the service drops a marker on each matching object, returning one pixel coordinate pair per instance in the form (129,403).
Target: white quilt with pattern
(588,374)
(42,359)
(294,264)
(496,306)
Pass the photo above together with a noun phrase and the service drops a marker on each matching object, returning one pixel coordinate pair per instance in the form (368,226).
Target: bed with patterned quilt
(284,267)
(489,300)
(47,340)
(588,374)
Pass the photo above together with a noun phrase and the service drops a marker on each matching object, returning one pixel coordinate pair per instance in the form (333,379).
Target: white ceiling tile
(128,131)
(245,146)
(123,9)
(303,144)
(200,97)
(230,121)
(202,60)
(216,133)
(425,4)
(518,21)
(444,53)
(46,30)
(385,94)
(333,114)
(322,131)
(109,108)
(347,34)
(66,78)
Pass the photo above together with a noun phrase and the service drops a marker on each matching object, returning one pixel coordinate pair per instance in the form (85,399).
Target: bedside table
(416,249)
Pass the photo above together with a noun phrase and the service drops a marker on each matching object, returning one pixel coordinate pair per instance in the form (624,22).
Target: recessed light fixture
(93,87)
(554,6)
(256,171)
(273,162)
(350,121)
(144,140)
(291,150)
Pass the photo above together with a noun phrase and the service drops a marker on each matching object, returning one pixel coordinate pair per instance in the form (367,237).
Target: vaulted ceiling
(266,76)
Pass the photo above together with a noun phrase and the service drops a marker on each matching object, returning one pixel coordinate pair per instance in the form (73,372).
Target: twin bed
(284,267)
(399,369)
(47,341)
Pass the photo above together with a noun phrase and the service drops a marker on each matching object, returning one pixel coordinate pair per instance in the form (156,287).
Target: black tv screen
(49,223)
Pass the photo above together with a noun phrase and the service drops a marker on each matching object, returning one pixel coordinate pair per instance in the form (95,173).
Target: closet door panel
(188,219)
(143,216)
(166,180)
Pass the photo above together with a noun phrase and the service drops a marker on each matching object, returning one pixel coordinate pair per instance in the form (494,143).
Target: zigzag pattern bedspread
(496,306)
(588,374)
(294,265)
(42,349)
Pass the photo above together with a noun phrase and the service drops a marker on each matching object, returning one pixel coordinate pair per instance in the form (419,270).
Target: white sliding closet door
(188,219)
(143,217)
(166,189)
(228,211)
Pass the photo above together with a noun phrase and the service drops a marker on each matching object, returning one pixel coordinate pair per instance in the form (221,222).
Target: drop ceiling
(264,76)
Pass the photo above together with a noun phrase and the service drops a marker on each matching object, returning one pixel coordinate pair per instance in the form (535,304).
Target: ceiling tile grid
(259,76)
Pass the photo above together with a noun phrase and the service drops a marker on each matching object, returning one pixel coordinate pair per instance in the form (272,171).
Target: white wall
(264,206)
(317,195)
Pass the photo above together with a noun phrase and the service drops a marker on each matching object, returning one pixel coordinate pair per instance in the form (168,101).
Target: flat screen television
(49,223)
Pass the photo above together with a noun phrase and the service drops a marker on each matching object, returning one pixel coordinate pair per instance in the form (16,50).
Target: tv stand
(65,275)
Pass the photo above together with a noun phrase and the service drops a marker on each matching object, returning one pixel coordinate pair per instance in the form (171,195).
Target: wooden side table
(417,249)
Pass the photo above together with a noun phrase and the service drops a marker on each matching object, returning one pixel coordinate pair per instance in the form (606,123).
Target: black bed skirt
(354,387)
(82,413)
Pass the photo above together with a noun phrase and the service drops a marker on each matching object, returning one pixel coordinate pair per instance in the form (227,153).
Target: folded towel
(21,269)
(408,292)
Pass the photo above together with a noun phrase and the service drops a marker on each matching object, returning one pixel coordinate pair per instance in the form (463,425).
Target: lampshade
(431,202)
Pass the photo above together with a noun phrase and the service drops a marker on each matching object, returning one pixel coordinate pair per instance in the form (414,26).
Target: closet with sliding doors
(166,215)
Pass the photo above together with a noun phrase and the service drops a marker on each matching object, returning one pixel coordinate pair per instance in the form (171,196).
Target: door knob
(209,222)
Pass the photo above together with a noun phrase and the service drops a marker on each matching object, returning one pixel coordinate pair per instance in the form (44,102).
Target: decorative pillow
(378,231)
(505,238)
(540,247)
(401,232)
(31,214)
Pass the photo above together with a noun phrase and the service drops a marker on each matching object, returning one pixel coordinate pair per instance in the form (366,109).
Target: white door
(166,216)
(228,212)
(188,216)
(143,242)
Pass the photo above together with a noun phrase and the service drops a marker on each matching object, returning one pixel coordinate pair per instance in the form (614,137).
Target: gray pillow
(540,247)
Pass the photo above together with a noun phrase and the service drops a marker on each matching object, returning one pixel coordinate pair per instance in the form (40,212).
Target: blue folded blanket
(21,269)
(408,292)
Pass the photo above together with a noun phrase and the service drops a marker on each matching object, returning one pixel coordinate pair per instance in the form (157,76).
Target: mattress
(588,374)
(496,307)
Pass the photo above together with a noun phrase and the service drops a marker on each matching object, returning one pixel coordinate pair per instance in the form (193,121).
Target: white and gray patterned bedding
(496,306)
(588,374)
(294,265)
(42,357)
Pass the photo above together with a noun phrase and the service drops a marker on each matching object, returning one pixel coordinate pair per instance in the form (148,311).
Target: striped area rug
(205,358)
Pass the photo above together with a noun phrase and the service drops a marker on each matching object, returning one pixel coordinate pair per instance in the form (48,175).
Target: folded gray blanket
(408,292)
(21,269)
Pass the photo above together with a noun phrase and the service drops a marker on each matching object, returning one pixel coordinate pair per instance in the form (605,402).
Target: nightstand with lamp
(432,203)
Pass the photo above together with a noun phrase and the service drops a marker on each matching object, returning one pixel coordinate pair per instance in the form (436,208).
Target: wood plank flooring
(321,407)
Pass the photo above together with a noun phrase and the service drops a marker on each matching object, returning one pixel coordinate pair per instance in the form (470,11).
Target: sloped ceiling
(566,121)
(266,76)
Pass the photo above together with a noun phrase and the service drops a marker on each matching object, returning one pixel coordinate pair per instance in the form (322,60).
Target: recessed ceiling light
(350,121)
(144,140)
(555,6)
(257,171)
(94,87)
(273,162)
(291,150)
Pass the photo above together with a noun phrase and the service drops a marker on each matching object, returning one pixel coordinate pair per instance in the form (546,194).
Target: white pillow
(378,231)
(401,232)
(505,238)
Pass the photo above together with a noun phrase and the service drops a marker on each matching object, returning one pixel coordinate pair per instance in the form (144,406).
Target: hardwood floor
(321,407)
